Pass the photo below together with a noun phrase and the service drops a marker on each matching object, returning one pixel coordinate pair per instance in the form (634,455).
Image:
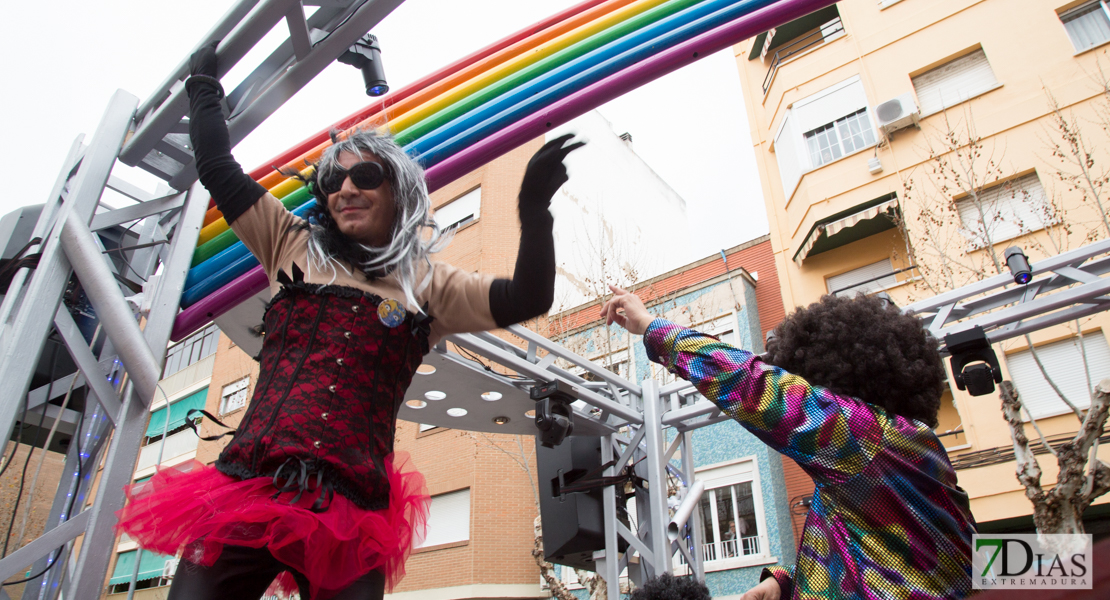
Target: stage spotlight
(366,55)
(554,417)
(1019,265)
(972,346)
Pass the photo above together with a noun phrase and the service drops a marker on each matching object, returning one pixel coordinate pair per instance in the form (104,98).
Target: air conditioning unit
(169,568)
(897,113)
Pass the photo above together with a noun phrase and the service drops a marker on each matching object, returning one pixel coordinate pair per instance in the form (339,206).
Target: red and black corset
(332,379)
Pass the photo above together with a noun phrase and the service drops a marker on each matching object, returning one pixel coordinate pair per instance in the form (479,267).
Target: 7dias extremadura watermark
(1031,561)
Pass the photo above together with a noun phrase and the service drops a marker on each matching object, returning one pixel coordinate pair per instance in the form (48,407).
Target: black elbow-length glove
(232,189)
(531,291)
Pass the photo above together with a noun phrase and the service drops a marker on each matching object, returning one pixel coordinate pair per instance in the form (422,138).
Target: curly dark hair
(866,348)
(669,587)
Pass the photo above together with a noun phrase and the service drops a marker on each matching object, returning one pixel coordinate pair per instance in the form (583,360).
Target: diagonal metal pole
(119,322)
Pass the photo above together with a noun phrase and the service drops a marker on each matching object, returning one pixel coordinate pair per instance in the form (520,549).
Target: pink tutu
(198,508)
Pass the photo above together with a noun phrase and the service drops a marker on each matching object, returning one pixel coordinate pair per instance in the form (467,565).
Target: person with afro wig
(849,388)
(669,587)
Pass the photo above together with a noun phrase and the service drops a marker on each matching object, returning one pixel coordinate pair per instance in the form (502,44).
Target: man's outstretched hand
(627,310)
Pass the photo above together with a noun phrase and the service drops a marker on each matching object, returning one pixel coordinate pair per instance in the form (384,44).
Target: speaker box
(574,523)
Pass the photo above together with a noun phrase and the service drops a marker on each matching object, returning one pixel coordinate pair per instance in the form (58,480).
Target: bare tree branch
(1028,471)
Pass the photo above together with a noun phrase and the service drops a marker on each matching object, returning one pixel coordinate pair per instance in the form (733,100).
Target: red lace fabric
(200,509)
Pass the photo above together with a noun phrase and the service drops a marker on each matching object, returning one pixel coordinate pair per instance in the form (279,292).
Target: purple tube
(532,126)
(616,85)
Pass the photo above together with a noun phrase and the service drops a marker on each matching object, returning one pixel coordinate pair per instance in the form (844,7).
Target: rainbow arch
(490,102)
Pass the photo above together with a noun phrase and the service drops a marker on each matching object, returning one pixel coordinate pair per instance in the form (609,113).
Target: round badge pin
(391,313)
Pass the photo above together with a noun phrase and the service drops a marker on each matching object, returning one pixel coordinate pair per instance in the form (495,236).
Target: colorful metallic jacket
(887,520)
(332,378)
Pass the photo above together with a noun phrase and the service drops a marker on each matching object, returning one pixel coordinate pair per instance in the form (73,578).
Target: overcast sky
(67,57)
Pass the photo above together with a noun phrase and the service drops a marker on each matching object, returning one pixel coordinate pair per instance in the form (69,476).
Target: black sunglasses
(365,175)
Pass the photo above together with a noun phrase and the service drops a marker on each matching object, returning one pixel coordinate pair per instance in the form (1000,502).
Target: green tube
(540,67)
(224,240)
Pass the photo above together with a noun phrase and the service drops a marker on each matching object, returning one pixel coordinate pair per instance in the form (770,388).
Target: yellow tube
(401,122)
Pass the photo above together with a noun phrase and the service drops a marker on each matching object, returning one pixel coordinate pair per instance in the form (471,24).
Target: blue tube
(228,256)
(577,74)
(214,273)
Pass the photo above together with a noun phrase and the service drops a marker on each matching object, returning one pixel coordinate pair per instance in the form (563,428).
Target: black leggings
(245,573)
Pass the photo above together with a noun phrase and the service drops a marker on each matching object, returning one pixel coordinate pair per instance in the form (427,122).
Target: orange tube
(446,84)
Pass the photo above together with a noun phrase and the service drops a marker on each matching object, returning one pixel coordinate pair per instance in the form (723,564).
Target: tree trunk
(1082,476)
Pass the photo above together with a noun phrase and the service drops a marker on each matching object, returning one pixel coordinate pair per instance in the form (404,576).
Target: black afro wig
(866,348)
(668,587)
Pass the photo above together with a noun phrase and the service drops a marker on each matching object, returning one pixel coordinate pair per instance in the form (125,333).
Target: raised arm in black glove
(232,189)
(532,289)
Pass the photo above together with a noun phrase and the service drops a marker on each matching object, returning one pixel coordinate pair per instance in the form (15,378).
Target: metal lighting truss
(645,426)
(121,378)
(1064,288)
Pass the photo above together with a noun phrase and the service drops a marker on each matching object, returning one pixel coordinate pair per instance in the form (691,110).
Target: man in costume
(310,485)
(850,389)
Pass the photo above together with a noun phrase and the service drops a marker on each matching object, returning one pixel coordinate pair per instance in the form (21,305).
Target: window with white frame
(866,279)
(954,82)
(841,137)
(191,350)
(460,211)
(1087,25)
(822,128)
(448,519)
(233,396)
(1005,211)
(1065,363)
(731,513)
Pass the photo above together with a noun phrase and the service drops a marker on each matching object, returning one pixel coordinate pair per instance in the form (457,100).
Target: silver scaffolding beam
(1064,288)
(644,426)
(83,243)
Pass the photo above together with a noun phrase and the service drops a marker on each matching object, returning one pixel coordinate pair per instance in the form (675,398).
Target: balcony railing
(819,36)
(745,546)
(176,445)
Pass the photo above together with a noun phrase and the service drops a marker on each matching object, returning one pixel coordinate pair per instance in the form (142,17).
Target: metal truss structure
(1065,287)
(645,426)
(90,250)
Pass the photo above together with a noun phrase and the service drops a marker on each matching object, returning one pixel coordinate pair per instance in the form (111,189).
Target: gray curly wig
(328,247)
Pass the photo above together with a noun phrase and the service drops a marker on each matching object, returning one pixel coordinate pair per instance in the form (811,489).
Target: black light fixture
(968,347)
(366,55)
(554,416)
(1018,263)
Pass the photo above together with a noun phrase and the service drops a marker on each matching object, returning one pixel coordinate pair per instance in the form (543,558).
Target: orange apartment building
(903,145)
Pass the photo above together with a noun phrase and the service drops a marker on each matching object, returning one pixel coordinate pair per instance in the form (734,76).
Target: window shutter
(461,210)
(1064,364)
(1011,209)
(1087,26)
(788,153)
(954,82)
(449,518)
(830,104)
(845,284)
